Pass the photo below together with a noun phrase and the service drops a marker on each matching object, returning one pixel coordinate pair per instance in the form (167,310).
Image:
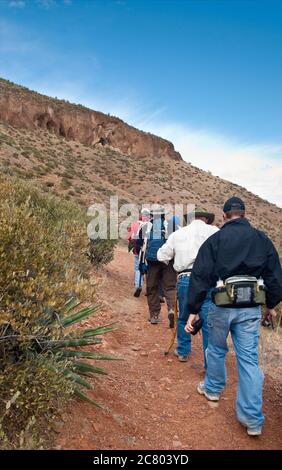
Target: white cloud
(51,3)
(46,3)
(257,167)
(17,3)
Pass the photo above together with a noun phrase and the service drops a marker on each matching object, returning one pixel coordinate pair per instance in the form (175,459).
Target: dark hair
(238,213)
(200,217)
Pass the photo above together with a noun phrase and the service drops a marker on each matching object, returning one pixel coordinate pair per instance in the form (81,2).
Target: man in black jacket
(237,249)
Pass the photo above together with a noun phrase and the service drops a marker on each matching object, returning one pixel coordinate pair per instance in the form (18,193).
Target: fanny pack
(239,291)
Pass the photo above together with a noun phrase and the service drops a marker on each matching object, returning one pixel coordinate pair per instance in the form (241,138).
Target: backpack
(156,238)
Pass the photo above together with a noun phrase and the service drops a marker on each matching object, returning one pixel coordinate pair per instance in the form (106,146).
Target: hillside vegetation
(87,175)
(45,288)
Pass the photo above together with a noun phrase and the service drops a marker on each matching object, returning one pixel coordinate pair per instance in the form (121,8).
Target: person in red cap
(133,245)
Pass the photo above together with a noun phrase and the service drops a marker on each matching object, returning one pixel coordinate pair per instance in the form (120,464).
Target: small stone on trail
(176,444)
(135,348)
(213,404)
(95,427)
(169,361)
(144,354)
(166,379)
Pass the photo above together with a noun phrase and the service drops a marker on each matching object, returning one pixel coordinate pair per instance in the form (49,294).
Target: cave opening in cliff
(70,133)
(62,131)
(40,119)
(104,141)
(51,126)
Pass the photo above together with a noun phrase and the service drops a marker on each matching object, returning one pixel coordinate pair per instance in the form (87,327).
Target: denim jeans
(183,338)
(137,281)
(244,326)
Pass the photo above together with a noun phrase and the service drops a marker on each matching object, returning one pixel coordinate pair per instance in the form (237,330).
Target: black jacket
(238,248)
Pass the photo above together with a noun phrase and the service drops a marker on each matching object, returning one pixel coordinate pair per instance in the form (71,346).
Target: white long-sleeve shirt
(184,244)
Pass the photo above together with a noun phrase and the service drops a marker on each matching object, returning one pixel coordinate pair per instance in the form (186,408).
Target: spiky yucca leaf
(78,392)
(85,368)
(80,338)
(78,379)
(99,330)
(90,355)
(71,304)
(80,315)
(71,343)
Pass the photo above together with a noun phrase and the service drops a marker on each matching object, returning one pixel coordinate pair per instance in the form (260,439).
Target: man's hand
(272,312)
(189,326)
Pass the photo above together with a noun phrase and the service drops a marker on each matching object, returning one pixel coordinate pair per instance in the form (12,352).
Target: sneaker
(254,431)
(180,357)
(201,390)
(155,319)
(162,300)
(171,319)
(137,292)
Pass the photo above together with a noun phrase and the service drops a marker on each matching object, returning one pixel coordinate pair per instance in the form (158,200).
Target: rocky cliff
(31,148)
(22,108)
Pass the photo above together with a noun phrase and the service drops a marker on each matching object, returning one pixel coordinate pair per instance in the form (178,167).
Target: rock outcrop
(22,108)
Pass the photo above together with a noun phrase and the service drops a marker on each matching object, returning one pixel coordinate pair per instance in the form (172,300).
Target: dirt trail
(150,399)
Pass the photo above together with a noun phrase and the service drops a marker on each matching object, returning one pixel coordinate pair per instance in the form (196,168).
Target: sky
(205,74)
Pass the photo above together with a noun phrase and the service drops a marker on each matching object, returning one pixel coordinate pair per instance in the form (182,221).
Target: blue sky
(206,74)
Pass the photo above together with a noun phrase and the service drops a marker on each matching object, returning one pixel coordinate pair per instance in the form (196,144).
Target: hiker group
(213,280)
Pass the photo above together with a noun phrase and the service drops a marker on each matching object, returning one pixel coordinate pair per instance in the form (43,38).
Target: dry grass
(88,175)
(271,351)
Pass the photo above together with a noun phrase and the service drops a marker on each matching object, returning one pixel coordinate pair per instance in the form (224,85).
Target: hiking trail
(150,400)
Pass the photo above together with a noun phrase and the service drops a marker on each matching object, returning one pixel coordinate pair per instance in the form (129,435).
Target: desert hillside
(89,166)
(40,268)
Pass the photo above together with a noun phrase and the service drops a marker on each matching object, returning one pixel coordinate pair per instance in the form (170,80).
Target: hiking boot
(155,320)
(254,431)
(137,292)
(171,319)
(162,300)
(180,357)
(202,391)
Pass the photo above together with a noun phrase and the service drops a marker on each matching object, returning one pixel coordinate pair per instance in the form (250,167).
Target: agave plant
(77,369)
(53,335)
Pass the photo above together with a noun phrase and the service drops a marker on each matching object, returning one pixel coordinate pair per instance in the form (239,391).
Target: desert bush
(44,271)
(101,252)
(65,183)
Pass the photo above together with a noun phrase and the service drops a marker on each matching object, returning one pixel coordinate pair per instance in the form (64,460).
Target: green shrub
(101,252)
(44,269)
(65,183)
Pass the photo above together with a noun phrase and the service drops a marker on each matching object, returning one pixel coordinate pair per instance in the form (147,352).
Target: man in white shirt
(183,246)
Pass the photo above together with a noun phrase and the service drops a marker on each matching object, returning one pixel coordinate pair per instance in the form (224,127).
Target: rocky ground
(150,401)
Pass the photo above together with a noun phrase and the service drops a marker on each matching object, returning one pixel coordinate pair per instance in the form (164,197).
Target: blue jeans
(137,281)
(244,326)
(183,338)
